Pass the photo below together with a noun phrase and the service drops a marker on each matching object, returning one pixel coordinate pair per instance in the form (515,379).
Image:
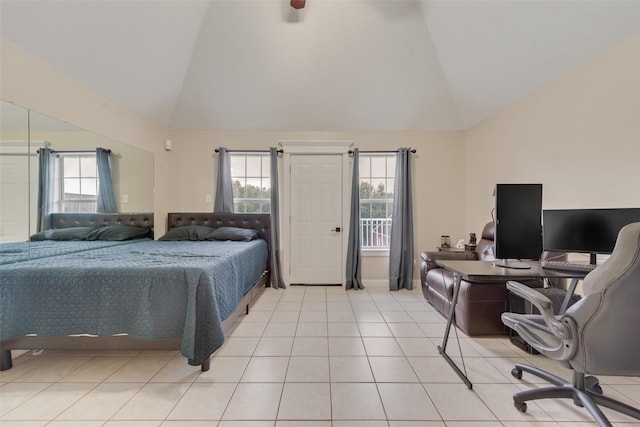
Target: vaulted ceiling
(334,65)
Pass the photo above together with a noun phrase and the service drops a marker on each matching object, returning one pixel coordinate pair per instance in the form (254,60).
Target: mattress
(148,290)
(24,251)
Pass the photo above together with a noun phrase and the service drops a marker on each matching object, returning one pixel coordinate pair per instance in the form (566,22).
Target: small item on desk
(471,246)
(460,244)
(445,241)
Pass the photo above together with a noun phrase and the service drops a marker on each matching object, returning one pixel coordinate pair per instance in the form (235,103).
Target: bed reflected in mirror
(72,178)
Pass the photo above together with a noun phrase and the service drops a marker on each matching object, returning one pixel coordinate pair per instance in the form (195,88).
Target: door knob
(337,229)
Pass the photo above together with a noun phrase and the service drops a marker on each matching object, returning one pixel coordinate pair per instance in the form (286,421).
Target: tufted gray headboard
(259,222)
(92,219)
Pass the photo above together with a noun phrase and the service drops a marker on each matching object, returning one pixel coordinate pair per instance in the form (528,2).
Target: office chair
(597,335)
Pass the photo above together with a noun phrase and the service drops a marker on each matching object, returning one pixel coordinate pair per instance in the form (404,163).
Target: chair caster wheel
(517,373)
(522,407)
(597,389)
(593,385)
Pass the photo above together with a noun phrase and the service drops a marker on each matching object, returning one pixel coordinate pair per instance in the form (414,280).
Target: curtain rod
(217,150)
(413,151)
(80,151)
(76,151)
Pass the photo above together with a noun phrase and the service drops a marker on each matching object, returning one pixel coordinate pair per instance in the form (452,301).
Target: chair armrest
(544,305)
(541,302)
(430,257)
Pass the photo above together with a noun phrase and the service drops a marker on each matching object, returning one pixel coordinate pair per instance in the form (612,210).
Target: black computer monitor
(592,231)
(518,223)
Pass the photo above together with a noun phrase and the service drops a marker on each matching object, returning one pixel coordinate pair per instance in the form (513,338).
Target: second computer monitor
(591,231)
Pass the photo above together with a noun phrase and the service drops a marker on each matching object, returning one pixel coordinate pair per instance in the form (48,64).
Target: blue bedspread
(23,251)
(148,290)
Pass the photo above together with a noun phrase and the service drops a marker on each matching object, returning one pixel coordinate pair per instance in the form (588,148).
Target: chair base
(585,392)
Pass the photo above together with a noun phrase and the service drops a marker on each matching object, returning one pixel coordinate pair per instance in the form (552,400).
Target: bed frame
(259,222)
(67,220)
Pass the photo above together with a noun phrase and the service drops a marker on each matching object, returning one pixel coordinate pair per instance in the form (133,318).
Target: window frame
(389,179)
(263,174)
(62,203)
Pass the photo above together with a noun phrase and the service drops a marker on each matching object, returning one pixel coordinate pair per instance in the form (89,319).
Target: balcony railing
(375,233)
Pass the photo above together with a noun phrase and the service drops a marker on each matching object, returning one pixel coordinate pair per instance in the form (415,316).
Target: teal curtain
(45,188)
(224,186)
(276,269)
(353,273)
(106,199)
(401,244)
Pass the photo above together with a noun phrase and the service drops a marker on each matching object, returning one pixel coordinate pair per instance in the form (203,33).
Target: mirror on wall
(15,162)
(23,132)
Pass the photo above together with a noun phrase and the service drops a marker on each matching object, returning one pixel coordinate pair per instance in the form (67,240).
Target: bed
(67,244)
(182,295)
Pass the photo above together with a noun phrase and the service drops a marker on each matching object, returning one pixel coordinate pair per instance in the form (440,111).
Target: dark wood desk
(485,271)
(450,249)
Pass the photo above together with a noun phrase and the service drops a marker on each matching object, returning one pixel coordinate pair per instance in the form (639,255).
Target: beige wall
(579,136)
(186,174)
(438,190)
(34,84)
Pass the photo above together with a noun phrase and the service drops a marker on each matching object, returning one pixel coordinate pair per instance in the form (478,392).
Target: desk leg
(452,314)
(5,360)
(568,295)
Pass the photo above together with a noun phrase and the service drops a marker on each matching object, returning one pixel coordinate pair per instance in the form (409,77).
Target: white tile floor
(304,357)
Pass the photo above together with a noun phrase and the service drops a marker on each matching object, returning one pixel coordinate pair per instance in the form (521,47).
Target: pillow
(71,233)
(188,232)
(233,233)
(119,232)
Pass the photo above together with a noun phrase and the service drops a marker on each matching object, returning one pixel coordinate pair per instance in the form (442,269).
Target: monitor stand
(510,263)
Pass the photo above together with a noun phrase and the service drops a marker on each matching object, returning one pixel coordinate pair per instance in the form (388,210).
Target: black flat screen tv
(592,231)
(518,224)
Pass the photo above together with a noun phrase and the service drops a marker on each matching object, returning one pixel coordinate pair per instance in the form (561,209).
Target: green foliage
(251,198)
(374,201)
(252,206)
(249,191)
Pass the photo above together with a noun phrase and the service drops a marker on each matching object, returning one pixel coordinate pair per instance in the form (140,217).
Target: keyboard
(578,267)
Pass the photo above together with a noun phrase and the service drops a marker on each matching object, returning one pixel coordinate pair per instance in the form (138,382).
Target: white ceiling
(335,65)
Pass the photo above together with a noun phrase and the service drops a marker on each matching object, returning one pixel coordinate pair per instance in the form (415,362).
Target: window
(251,178)
(377,176)
(77,178)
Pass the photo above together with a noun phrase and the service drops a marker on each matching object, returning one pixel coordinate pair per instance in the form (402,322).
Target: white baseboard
(378,283)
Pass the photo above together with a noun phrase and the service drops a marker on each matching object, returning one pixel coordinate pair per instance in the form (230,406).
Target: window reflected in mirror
(77,181)
(72,178)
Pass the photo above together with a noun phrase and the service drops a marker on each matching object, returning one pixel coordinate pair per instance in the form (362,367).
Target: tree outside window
(377,176)
(251,180)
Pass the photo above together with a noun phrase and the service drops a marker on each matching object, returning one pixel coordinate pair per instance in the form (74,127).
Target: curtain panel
(106,199)
(224,186)
(401,244)
(276,269)
(45,189)
(354,251)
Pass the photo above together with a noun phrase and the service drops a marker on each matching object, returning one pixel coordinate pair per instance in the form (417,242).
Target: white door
(14,202)
(316,219)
